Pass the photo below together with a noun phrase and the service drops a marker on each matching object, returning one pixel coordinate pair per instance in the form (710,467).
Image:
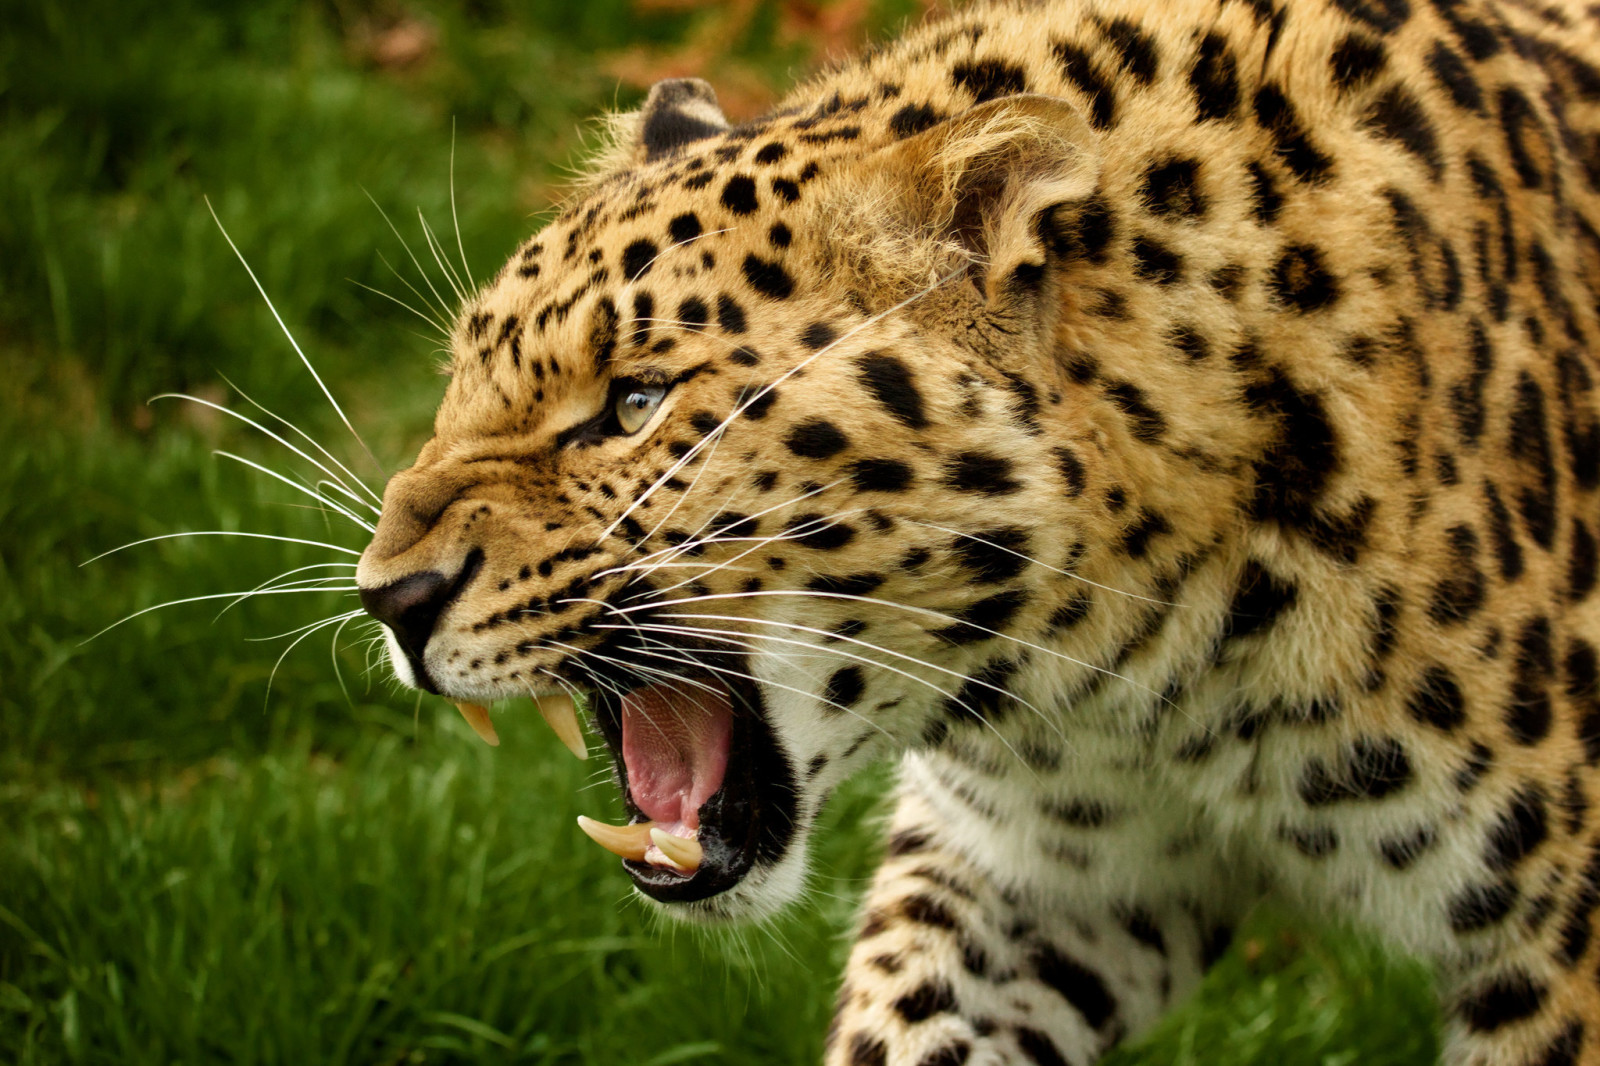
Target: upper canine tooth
(563,718)
(683,852)
(629,841)
(477,716)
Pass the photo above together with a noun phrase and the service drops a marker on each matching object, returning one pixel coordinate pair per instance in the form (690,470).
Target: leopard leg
(1520,1009)
(956,963)
(1487,868)
(1519,987)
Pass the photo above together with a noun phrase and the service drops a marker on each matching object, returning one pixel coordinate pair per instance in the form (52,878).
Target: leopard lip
(748,819)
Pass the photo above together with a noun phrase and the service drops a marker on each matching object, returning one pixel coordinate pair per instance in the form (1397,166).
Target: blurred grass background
(195,870)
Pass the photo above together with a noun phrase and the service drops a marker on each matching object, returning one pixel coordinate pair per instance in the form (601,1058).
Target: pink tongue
(675,745)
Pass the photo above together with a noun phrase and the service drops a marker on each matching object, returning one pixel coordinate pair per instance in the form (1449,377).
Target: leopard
(1164,429)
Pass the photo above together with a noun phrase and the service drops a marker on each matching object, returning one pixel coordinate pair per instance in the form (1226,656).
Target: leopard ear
(997,180)
(679,111)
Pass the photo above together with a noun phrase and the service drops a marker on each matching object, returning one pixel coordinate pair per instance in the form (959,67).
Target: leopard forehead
(719,238)
(776,231)
(626,280)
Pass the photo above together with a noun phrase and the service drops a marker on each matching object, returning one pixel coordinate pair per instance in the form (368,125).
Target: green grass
(1288,993)
(425,901)
(431,901)
(195,870)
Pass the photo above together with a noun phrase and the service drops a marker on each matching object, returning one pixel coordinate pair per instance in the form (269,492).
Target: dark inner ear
(679,111)
(1007,177)
(973,210)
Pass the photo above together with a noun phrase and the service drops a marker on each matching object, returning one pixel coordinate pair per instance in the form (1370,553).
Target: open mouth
(708,791)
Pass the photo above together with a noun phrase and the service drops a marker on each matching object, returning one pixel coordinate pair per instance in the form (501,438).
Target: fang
(680,851)
(628,841)
(477,717)
(559,712)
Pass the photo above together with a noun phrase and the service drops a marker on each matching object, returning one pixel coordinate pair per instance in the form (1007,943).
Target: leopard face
(754,480)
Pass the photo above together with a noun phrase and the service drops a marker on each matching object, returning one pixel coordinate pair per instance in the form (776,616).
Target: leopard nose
(411,606)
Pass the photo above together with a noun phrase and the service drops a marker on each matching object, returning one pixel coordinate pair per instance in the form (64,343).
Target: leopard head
(749,448)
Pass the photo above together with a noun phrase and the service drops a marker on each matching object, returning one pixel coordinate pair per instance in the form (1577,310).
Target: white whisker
(444,336)
(455,219)
(325,623)
(199,599)
(633,667)
(675,551)
(333,654)
(301,629)
(332,504)
(773,684)
(309,439)
(1039,562)
(441,323)
(441,259)
(683,244)
(756,543)
(443,305)
(1047,719)
(276,584)
(224,533)
(230,412)
(709,631)
(926,611)
(290,336)
(698,474)
(742,650)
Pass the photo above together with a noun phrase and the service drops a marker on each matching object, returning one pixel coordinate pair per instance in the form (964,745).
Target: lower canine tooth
(477,716)
(629,841)
(563,718)
(683,852)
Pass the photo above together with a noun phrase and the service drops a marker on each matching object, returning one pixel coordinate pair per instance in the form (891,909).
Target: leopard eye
(635,405)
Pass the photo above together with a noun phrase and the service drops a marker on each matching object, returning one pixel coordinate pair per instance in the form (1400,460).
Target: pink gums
(675,746)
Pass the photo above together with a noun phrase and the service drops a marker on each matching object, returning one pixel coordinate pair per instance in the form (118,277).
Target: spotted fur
(1167,426)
